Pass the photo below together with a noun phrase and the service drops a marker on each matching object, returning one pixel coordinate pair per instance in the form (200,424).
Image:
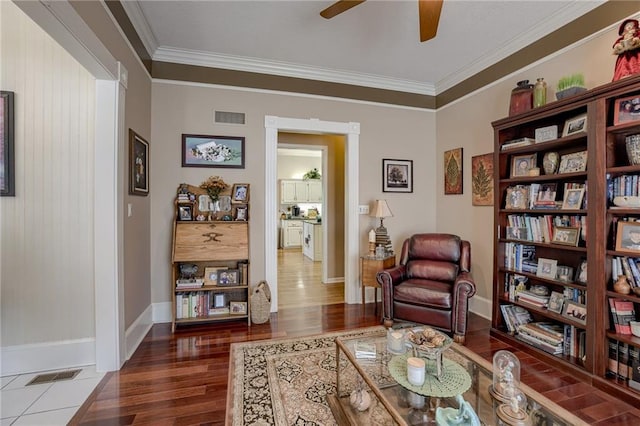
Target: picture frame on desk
(628,237)
(573,163)
(242,213)
(238,308)
(228,277)
(219,300)
(575,125)
(211,275)
(185,212)
(575,311)
(626,109)
(573,199)
(240,193)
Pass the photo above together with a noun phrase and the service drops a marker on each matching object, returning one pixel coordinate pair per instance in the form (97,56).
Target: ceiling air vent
(229,117)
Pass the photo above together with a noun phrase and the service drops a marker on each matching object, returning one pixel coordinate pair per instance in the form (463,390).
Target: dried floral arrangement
(214,186)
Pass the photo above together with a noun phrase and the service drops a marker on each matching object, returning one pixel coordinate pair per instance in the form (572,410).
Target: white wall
(47,263)
(386,132)
(295,166)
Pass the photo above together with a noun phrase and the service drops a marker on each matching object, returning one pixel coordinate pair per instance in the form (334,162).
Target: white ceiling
(375,44)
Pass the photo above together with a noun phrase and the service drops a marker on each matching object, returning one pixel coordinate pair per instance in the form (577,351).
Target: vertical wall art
(139,164)
(453,171)
(7,173)
(482,180)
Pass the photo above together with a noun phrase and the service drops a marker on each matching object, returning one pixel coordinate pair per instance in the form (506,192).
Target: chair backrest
(438,257)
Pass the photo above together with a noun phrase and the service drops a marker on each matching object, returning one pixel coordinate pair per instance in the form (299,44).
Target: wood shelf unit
(606,160)
(218,244)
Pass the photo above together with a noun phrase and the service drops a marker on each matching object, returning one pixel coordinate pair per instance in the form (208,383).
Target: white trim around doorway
(273,125)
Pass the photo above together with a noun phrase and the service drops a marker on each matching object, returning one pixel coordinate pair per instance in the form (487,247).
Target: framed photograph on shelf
(573,199)
(397,175)
(185,212)
(242,213)
(522,164)
(575,311)
(547,194)
(238,308)
(219,300)
(556,300)
(566,235)
(544,134)
(575,125)
(573,163)
(453,171)
(228,277)
(581,272)
(212,151)
(628,237)
(514,233)
(211,275)
(7,156)
(626,109)
(547,268)
(240,193)
(138,164)
(517,197)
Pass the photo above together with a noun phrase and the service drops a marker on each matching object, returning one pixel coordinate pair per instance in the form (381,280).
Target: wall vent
(227,117)
(53,377)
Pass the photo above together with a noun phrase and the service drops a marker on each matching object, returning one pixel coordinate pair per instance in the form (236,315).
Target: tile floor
(48,404)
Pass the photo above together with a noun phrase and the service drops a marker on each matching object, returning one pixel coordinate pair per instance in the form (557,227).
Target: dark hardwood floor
(181,378)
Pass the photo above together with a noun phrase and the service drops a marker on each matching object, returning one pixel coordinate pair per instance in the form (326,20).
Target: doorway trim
(273,125)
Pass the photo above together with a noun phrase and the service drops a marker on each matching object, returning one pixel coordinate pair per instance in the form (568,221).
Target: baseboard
(162,312)
(36,357)
(334,280)
(480,306)
(136,332)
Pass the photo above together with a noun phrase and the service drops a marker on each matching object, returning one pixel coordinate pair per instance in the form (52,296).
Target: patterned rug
(284,381)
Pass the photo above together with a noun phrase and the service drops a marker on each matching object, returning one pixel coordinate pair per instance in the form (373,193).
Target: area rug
(285,381)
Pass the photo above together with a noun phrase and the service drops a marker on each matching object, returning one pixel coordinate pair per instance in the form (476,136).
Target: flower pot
(571,91)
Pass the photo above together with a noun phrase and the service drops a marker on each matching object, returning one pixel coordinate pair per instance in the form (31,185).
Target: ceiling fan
(429,11)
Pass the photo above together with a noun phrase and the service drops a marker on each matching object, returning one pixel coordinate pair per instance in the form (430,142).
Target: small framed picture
(517,197)
(565,273)
(548,133)
(219,300)
(185,212)
(573,199)
(573,163)
(228,277)
(556,300)
(240,193)
(138,164)
(575,125)
(397,175)
(242,213)
(581,272)
(575,311)
(238,308)
(626,109)
(547,194)
(547,268)
(211,275)
(521,164)
(628,237)
(514,233)
(566,235)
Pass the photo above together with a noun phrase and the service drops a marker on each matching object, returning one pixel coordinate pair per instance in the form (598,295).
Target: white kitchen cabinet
(312,240)
(291,233)
(300,191)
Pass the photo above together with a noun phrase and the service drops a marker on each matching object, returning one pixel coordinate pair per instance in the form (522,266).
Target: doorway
(274,125)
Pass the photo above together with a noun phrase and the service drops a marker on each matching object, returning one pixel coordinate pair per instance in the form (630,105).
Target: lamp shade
(381,209)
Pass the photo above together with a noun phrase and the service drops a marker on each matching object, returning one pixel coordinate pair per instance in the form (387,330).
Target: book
(626,313)
(634,367)
(614,315)
(612,365)
(623,360)
(517,143)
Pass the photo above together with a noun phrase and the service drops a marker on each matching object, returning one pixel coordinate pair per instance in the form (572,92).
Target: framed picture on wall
(212,151)
(482,180)
(138,164)
(397,175)
(7,163)
(453,171)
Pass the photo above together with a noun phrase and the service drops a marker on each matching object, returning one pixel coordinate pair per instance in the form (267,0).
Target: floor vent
(53,377)
(229,117)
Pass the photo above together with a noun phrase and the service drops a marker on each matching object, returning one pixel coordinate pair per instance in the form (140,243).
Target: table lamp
(381,210)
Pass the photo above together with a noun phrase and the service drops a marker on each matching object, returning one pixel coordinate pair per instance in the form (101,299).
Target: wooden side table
(369,267)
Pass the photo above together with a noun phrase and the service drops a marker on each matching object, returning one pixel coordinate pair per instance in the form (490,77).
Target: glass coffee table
(388,402)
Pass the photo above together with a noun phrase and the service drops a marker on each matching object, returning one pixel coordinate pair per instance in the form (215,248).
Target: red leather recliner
(431,285)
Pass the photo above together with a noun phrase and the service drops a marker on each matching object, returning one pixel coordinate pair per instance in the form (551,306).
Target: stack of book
(183,198)
(546,336)
(515,143)
(533,299)
(189,283)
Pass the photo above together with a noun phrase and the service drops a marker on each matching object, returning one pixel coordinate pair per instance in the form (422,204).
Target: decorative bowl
(627,201)
(427,342)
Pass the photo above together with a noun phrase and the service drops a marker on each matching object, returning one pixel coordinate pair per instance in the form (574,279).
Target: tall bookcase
(589,227)
(206,247)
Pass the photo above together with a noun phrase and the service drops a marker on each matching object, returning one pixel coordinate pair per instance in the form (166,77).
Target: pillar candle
(395,340)
(415,371)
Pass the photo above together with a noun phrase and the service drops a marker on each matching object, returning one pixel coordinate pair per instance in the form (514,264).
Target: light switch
(129,210)
(363,209)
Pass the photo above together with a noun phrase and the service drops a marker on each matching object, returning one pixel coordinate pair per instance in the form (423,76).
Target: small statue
(627,47)
(463,416)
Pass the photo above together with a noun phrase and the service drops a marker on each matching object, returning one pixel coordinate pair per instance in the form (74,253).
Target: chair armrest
(392,276)
(464,286)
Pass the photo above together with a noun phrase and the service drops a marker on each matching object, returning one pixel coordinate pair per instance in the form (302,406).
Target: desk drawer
(211,240)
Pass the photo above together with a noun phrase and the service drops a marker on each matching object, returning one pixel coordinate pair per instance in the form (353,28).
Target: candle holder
(372,248)
(395,341)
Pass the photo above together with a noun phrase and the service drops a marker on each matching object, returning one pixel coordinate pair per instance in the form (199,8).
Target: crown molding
(214,60)
(140,23)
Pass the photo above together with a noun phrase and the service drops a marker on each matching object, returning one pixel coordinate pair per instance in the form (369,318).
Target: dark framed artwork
(138,164)
(397,175)
(453,171)
(626,109)
(482,180)
(212,151)
(7,156)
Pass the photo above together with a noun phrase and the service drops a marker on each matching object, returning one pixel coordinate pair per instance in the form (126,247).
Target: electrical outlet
(363,209)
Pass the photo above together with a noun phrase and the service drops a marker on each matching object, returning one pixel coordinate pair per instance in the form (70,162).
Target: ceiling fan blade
(429,16)
(338,7)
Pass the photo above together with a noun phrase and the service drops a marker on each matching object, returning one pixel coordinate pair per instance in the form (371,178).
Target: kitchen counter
(312,240)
